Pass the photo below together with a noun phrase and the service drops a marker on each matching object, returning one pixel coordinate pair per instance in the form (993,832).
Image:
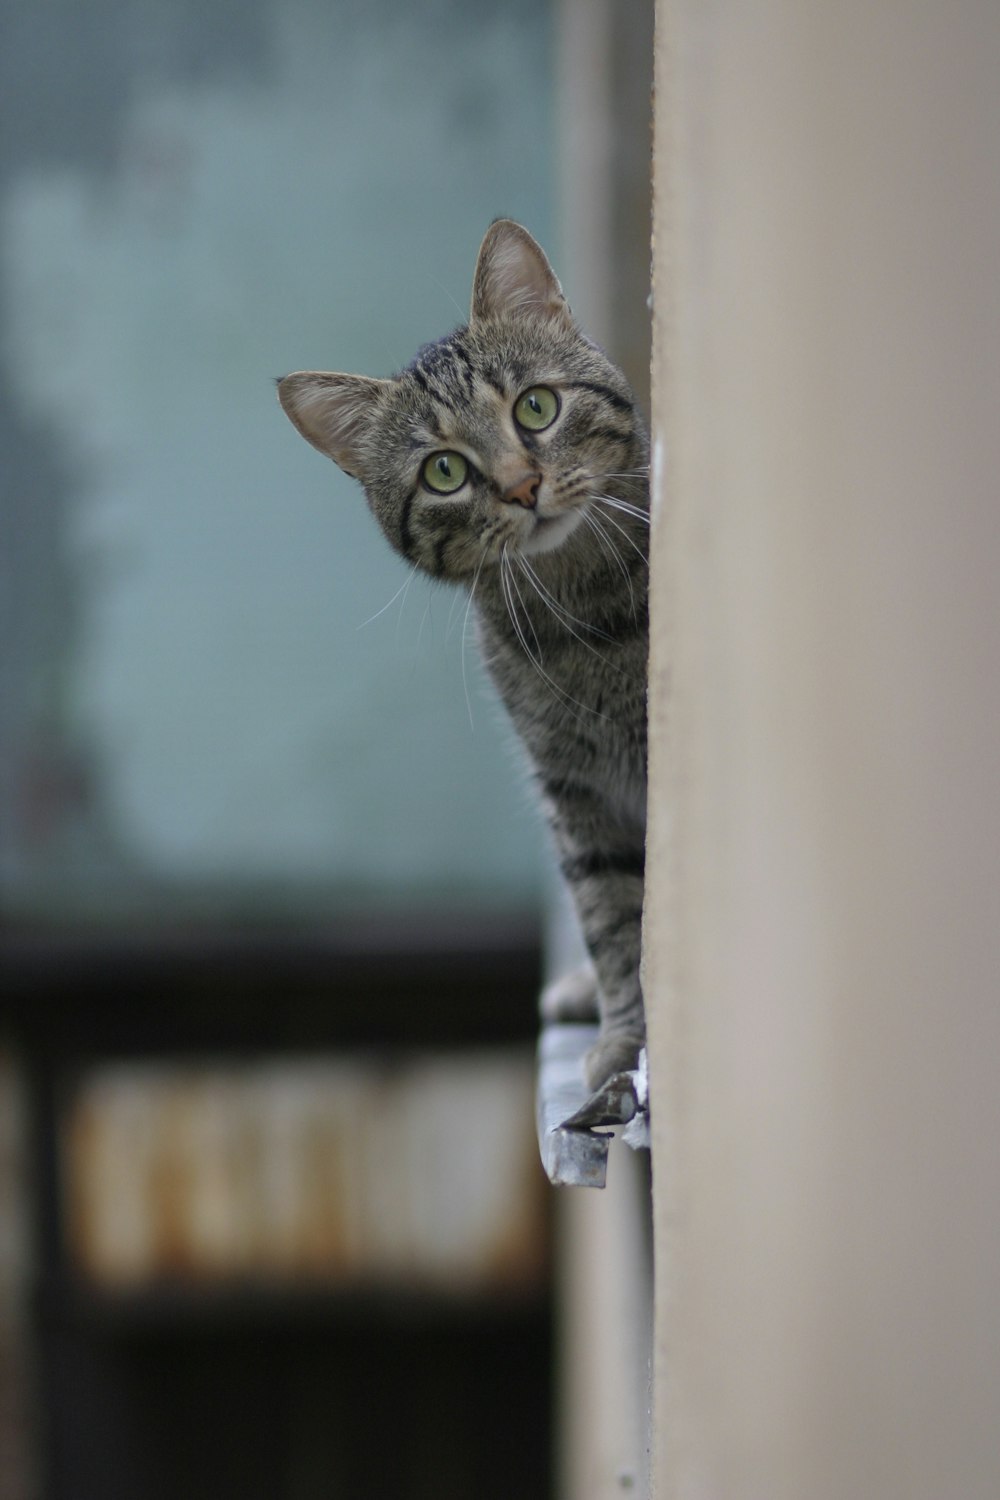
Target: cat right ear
(513,277)
(333,412)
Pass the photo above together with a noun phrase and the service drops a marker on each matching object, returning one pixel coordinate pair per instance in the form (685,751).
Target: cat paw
(571,997)
(618,1052)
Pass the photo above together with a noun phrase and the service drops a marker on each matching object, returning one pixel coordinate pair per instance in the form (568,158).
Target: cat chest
(564,684)
(591,716)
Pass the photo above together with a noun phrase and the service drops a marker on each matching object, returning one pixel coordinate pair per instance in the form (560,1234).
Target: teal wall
(221,691)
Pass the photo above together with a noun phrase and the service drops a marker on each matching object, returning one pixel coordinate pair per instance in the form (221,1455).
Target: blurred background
(273,894)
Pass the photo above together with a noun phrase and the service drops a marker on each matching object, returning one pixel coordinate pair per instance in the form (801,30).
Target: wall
(823,919)
(224,687)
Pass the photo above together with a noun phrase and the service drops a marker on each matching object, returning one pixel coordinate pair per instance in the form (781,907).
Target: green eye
(536,409)
(445,472)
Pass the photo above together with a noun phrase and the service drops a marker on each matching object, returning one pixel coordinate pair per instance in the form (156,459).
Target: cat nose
(525,492)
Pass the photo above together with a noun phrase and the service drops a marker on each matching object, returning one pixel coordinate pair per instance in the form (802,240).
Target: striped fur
(549,533)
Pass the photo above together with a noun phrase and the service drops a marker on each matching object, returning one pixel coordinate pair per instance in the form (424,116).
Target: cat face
(496,437)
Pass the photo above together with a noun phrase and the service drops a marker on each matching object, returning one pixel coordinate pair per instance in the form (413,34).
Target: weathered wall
(824,917)
(220,690)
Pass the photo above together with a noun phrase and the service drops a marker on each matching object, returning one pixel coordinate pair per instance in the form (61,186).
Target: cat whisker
(641,473)
(506,580)
(625,506)
(618,527)
(559,611)
(449,627)
(401,590)
(457,598)
(511,610)
(608,546)
(462,312)
(465,626)
(564,617)
(527,613)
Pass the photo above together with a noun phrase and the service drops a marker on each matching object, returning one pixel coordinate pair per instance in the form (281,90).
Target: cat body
(509,458)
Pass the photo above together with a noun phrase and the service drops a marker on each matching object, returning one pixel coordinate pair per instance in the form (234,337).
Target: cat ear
(514,277)
(333,412)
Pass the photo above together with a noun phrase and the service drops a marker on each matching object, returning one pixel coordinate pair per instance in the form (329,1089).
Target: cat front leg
(603,865)
(610,910)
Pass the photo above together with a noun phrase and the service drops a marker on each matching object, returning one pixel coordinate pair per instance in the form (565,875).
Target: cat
(510,458)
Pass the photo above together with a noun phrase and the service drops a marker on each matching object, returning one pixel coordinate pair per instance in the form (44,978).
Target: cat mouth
(549,532)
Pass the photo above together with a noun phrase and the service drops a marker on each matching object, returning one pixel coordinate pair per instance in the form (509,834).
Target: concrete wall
(824,879)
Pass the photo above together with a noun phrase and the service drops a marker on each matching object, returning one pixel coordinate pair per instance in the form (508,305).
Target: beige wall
(824,886)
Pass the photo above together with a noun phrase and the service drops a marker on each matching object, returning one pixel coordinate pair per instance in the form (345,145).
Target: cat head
(497,436)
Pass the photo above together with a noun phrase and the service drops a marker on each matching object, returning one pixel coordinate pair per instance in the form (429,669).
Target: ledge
(573,1152)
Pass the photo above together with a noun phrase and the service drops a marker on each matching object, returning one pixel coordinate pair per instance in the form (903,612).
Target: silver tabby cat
(510,459)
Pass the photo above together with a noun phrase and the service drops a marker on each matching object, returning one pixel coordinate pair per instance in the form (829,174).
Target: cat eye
(445,472)
(536,409)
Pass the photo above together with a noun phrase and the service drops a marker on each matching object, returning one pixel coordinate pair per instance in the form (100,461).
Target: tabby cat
(509,458)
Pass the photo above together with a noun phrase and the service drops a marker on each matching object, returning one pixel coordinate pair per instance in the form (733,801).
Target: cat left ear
(513,277)
(333,412)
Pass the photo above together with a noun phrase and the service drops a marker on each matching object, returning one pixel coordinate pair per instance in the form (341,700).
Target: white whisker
(506,580)
(401,590)
(456,599)
(608,546)
(465,626)
(559,611)
(625,506)
(527,612)
(618,527)
(462,312)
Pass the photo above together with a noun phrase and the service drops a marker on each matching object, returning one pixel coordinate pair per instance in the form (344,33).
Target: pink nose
(525,492)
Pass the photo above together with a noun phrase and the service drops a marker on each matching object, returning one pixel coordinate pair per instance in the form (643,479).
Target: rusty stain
(321,1171)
